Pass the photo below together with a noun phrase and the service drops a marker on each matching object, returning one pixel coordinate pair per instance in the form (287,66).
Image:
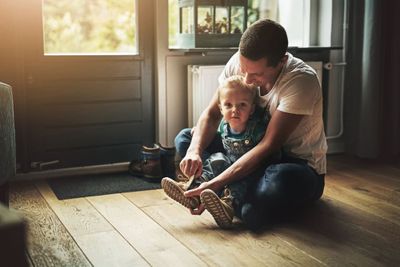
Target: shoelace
(185,185)
(227,196)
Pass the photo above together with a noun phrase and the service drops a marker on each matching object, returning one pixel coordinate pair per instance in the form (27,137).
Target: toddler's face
(236,105)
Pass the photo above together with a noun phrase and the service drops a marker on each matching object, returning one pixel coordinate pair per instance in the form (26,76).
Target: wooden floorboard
(98,239)
(374,188)
(370,205)
(378,173)
(356,223)
(336,237)
(48,241)
(236,247)
(155,244)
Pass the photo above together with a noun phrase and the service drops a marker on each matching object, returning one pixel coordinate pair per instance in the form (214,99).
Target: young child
(242,127)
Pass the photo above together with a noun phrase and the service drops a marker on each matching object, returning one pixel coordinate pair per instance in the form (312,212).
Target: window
(293,15)
(299,17)
(96,27)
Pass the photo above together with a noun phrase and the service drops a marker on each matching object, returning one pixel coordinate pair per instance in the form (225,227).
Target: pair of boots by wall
(154,163)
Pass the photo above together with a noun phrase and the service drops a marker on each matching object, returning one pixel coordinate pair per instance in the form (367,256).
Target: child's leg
(219,207)
(214,166)
(218,204)
(229,203)
(184,137)
(224,205)
(238,190)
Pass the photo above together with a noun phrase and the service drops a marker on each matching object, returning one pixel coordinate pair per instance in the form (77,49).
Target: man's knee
(280,180)
(182,141)
(287,182)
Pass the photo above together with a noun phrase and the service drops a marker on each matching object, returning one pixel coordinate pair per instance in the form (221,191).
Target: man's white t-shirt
(296,91)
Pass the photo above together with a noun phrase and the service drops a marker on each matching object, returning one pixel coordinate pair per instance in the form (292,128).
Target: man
(293,97)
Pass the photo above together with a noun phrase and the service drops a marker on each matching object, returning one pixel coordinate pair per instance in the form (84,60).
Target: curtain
(390,98)
(372,99)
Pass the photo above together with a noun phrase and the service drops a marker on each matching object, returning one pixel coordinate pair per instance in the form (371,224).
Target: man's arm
(279,128)
(206,128)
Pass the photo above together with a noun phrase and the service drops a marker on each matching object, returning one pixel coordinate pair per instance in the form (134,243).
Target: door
(91,104)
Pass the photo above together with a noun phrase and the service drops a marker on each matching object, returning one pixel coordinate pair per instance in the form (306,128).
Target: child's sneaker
(175,190)
(220,208)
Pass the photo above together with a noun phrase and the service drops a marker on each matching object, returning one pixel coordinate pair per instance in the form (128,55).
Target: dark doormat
(98,184)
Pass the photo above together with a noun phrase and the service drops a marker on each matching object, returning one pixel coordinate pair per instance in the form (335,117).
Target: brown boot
(220,208)
(167,156)
(149,166)
(176,190)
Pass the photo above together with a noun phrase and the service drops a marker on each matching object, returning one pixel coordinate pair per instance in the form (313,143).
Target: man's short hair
(264,39)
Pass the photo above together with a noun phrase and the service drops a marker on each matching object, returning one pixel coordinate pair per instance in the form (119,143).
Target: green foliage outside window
(89,27)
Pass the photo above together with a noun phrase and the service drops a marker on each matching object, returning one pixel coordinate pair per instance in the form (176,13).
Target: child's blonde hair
(238,82)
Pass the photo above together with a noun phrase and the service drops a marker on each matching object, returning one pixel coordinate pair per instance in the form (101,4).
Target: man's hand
(197,191)
(199,210)
(191,164)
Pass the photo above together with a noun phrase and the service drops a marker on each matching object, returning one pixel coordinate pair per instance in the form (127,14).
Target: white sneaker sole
(215,207)
(176,193)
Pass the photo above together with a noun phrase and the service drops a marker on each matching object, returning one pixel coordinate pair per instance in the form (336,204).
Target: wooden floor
(357,223)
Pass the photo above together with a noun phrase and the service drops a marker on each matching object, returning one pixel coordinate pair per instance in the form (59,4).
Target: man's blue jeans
(281,187)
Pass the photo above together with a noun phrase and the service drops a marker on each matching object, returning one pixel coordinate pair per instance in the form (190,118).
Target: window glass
(187,20)
(253,13)
(173,22)
(89,27)
(221,20)
(205,19)
(237,19)
(294,15)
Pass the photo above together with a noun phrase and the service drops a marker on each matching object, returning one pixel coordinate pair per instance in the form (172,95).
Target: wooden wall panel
(91,136)
(67,91)
(74,68)
(88,113)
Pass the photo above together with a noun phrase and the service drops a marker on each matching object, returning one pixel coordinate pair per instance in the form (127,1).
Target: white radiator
(203,82)
(202,85)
